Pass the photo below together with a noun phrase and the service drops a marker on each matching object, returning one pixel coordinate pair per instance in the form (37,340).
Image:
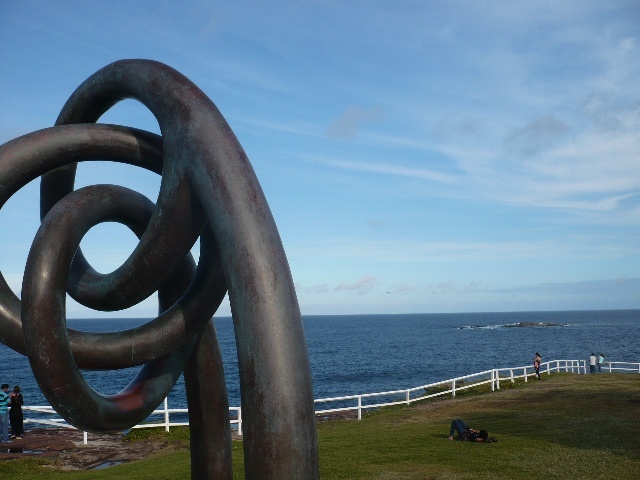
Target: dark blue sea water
(354,354)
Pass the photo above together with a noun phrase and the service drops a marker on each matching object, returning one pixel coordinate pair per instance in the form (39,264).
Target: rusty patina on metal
(208,191)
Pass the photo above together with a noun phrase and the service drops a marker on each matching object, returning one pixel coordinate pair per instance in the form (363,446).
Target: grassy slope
(565,427)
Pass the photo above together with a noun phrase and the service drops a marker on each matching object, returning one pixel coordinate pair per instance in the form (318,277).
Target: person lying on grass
(467,434)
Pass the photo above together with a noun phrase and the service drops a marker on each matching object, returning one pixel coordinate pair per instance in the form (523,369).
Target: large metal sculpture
(208,191)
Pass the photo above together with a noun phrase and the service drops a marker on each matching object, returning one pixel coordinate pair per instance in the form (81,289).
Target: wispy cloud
(539,135)
(347,125)
(315,289)
(362,286)
(627,287)
(461,126)
(434,252)
(476,295)
(393,169)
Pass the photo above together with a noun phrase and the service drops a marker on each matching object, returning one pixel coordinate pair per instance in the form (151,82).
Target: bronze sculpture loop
(208,191)
(44,322)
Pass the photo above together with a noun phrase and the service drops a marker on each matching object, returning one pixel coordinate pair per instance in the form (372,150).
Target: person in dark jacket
(537,361)
(16,416)
(465,433)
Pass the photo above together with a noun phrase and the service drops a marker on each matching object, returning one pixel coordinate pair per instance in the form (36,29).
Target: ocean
(354,354)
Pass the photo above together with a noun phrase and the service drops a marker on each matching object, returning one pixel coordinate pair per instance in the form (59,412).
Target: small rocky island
(515,325)
(534,324)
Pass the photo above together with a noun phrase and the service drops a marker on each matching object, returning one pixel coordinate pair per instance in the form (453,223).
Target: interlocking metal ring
(209,191)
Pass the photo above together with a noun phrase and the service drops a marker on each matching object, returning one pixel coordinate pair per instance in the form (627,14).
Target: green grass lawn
(565,427)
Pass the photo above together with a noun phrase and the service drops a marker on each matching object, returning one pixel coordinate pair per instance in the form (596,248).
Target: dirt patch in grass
(63,449)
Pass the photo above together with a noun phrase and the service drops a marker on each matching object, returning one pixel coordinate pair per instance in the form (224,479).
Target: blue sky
(418,156)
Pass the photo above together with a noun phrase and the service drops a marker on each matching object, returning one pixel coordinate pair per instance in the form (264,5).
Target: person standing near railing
(592,363)
(5,400)
(16,417)
(601,362)
(537,361)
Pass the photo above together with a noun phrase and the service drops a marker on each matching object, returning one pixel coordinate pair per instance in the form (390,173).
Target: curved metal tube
(208,189)
(27,157)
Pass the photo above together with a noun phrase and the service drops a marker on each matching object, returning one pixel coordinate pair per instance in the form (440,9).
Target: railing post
(453,388)
(240,421)
(498,379)
(85,438)
(359,408)
(493,380)
(526,377)
(166,415)
(566,367)
(511,374)
(408,398)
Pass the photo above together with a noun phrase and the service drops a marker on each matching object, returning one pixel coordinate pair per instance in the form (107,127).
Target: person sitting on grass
(465,433)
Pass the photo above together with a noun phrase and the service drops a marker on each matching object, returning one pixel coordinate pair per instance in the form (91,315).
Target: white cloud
(362,286)
(411,251)
(315,289)
(537,136)
(392,169)
(628,288)
(346,126)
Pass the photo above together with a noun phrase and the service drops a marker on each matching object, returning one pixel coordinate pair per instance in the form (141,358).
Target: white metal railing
(166,412)
(621,367)
(453,385)
(366,401)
